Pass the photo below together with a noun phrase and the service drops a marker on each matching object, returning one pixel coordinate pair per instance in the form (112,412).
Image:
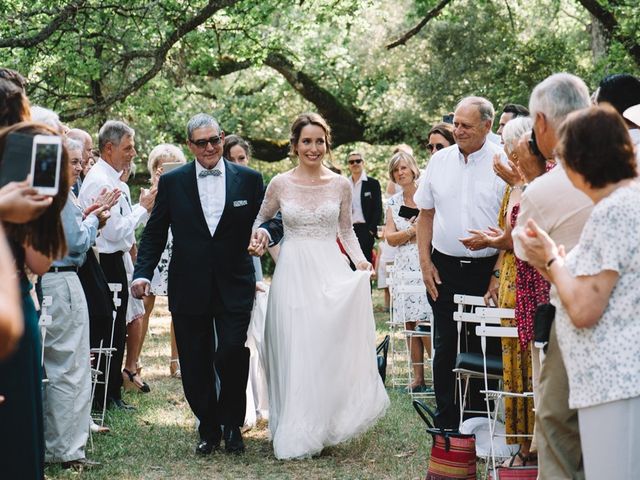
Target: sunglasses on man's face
(435,146)
(205,141)
(354,161)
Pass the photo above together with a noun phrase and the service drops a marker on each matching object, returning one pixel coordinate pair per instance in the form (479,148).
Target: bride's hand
(364,265)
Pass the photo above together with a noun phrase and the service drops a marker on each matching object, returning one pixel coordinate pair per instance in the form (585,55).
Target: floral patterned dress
(412,307)
(516,358)
(161,273)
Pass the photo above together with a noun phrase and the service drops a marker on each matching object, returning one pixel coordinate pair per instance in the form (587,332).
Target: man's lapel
(190,183)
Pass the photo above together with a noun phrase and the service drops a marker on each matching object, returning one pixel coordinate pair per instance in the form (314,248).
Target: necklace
(306,178)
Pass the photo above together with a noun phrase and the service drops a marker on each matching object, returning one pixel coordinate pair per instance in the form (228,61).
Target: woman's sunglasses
(435,146)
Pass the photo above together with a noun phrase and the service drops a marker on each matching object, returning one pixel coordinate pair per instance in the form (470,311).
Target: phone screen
(44,170)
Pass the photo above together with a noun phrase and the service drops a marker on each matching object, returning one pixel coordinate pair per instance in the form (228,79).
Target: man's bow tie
(205,173)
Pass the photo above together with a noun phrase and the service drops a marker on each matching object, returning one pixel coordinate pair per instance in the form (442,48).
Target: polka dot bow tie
(205,173)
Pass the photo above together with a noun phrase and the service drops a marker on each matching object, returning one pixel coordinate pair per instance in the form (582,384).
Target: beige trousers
(557,433)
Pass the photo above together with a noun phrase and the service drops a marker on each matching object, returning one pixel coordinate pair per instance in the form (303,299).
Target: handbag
(381,352)
(453,454)
(517,473)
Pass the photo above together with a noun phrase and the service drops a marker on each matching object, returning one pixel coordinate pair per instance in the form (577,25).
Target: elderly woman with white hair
(516,352)
(161,159)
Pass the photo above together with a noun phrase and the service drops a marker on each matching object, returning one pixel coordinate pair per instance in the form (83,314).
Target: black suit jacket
(200,261)
(371,200)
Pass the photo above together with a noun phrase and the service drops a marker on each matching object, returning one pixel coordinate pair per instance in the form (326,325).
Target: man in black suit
(366,204)
(210,205)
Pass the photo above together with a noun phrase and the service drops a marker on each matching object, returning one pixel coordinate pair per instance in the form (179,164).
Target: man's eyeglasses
(354,161)
(435,146)
(205,141)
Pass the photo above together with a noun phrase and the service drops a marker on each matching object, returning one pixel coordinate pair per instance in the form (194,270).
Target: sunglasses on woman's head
(435,146)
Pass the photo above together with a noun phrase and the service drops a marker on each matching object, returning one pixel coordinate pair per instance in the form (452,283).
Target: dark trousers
(200,361)
(464,276)
(365,239)
(100,305)
(114,271)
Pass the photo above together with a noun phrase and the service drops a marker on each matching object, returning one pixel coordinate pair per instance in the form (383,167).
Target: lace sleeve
(345,226)
(270,203)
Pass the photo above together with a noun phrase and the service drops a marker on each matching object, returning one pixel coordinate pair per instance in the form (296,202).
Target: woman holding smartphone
(400,232)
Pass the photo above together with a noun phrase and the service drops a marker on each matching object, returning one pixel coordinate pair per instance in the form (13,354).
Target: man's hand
(492,291)
(431,278)
(530,165)
(140,288)
(259,242)
(21,203)
(480,239)
(148,198)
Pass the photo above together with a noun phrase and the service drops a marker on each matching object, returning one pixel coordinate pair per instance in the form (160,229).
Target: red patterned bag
(453,454)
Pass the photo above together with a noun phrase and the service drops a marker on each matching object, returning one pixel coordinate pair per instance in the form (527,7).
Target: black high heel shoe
(132,385)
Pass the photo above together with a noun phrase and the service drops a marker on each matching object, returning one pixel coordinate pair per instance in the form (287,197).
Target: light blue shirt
(80,234)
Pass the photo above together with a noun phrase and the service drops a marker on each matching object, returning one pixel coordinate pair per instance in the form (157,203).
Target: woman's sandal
(174,368)
(131,384)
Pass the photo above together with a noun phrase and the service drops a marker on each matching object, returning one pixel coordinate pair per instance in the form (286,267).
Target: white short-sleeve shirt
(465,195)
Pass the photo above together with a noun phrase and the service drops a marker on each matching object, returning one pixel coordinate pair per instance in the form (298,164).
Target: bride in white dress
(324,386)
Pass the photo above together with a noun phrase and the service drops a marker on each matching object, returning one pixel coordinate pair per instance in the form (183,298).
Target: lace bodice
(316,212)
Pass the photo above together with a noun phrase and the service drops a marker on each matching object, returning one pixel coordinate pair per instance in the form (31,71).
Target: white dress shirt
(117,234)
(465,196)
(357,216)
(213,194)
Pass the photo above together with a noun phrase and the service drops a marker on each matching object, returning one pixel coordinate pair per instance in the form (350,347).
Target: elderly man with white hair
(458,192)
(561,210)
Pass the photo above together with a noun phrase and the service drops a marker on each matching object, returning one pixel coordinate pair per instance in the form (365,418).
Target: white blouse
(603,362)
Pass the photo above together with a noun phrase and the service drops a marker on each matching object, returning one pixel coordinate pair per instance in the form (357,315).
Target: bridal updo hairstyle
(302,121)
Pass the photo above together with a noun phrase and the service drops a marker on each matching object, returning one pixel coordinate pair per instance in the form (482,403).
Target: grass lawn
(157,441)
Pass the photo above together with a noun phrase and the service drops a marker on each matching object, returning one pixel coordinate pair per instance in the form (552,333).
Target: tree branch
(612,28)
(434,12)
(345,121)
(160,57)
(66,14)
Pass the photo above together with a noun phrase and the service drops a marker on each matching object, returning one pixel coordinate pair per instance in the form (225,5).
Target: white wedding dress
(324,386)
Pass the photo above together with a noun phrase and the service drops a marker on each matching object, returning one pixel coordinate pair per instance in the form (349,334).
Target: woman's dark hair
(444,129)
(621,90)
(45,234)
(231,141)
(14,104)
(595,143)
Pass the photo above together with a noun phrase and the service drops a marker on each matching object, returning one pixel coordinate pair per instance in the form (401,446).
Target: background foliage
(256,65)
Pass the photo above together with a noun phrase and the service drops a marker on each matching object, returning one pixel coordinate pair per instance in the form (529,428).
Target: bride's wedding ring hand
(259,243)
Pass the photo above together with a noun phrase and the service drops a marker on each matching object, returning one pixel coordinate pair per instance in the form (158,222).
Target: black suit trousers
(458,276)
(113,266)
(365,239)
(201,360)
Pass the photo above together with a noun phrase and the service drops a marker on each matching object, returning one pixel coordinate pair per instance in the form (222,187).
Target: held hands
(21,203)
(140,288)
(259,243)
(538,246)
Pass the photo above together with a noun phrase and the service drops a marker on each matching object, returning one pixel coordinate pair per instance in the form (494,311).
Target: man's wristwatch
(496,273)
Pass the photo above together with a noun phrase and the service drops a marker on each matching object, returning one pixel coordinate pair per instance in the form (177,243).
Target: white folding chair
(470,364)
(404,283)
(115,288)
(397,353)
(43,322)
(497,396)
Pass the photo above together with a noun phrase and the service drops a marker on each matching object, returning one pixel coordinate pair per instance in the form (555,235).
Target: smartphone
(46,156)
(408,212)
(167,167)
(16,158)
